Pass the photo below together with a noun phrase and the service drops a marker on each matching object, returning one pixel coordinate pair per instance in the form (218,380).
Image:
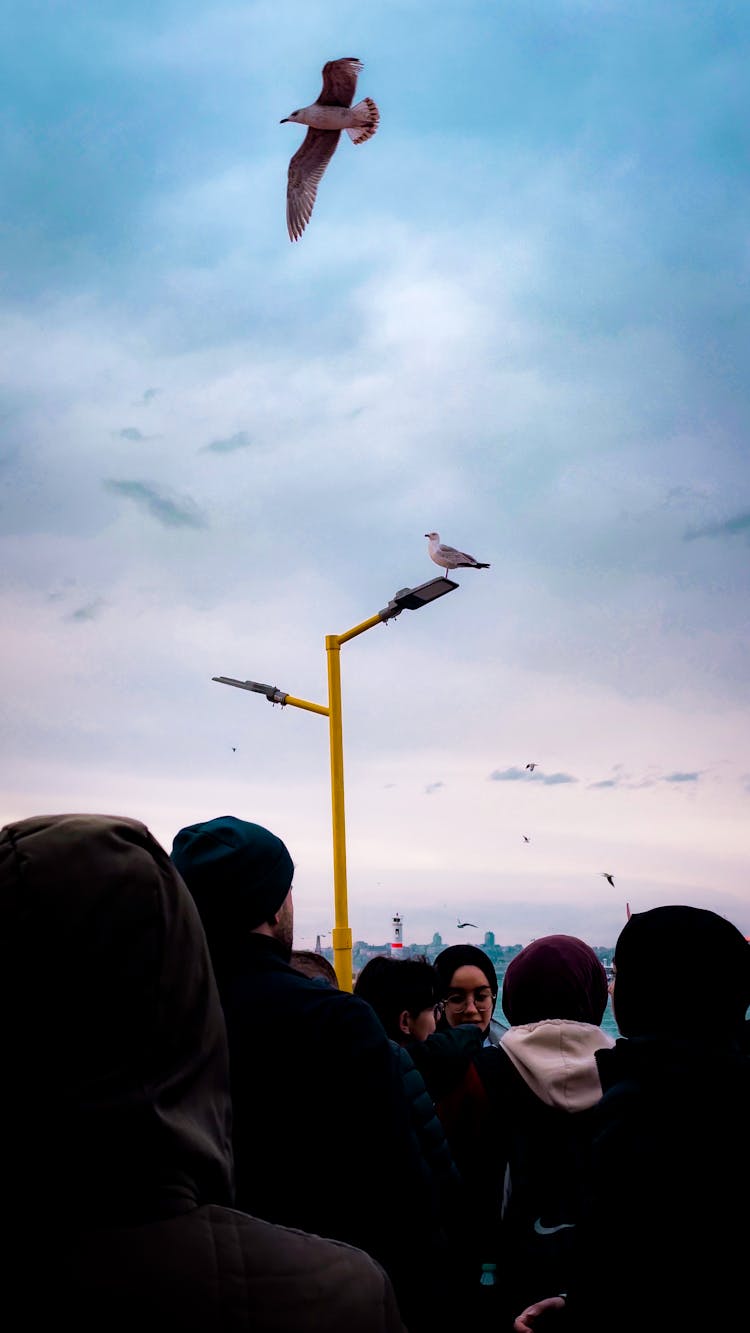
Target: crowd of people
(204,1132)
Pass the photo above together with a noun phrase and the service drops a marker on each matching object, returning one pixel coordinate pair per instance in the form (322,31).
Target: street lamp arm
(359,629)
(406,599)
(284,699)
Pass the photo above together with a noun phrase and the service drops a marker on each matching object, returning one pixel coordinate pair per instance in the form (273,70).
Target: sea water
(608,1023)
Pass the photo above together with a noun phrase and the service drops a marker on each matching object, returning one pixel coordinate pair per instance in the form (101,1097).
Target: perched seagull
(332,113)
(461,924)
(531,767)
(448,557)
(608,878)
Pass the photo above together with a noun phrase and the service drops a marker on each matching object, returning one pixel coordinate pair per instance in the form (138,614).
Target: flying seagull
(448,557)
(608,878)
(461,924)
(531,767)
(525,837)
(326,118)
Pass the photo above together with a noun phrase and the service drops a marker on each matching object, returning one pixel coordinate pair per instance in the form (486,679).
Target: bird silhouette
(608,877)
(531,767)
(234,749)
(525,837)
(461,924)
(448,557)
(326,118)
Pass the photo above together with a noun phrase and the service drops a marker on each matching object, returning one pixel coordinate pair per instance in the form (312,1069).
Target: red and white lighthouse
(397,943)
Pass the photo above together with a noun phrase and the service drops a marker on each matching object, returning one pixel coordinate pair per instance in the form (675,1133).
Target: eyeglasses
(460,999)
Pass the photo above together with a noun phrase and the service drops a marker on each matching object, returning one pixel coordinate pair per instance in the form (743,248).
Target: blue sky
(519,316)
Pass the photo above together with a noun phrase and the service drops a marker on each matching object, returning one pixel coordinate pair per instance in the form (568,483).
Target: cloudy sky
(519,316)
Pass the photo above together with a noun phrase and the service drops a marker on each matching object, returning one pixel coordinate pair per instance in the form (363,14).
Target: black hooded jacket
(116,1115)
(666,1235)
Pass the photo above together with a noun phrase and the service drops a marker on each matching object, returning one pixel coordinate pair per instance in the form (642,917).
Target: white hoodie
(556,1059)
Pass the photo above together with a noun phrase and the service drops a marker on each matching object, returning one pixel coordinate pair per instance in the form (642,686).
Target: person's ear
(404,1022)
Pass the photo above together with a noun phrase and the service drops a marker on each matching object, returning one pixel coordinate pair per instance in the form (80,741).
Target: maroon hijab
(557,976)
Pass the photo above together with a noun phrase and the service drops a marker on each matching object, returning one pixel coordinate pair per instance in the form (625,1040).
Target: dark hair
(314,965)
(392,985)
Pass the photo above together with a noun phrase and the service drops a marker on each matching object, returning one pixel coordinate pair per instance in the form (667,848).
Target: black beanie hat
(238,873)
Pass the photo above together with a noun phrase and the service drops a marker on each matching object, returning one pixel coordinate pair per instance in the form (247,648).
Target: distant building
(318,948)
(397,942)
(437,940)
(489,939)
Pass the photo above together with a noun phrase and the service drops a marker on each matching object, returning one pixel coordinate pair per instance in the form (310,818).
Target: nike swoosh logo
(550,1231)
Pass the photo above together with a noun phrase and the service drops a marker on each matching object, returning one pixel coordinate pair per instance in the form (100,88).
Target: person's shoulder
(353,1014)
(339,1287)
(497,1031)
(333,1010)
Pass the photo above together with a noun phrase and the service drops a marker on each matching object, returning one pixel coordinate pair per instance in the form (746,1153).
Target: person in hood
(524,1143)
(116,1110)
(664,1237)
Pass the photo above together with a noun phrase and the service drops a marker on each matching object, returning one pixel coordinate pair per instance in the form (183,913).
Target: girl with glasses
(468,990)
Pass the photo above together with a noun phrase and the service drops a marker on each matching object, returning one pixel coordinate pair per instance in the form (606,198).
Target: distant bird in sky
(608,877)
(531,767)
(326,118)
(525,837)
(234,749)
(461,924)
(448,557)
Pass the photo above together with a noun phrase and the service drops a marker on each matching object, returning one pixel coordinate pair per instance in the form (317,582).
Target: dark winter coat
(431,1137)
(665,1239)
(116,1116)
(322,1128)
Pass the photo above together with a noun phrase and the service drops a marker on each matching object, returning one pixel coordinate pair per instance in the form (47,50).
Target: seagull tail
(368,119)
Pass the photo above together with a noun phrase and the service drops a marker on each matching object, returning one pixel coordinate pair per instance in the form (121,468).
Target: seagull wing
(447,552)
(305,173)
(340,82)
(455,557)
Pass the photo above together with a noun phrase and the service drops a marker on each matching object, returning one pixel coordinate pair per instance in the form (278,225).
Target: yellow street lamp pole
(407,599)
(341,936)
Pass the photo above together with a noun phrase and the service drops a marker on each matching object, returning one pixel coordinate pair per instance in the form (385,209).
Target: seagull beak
(284,121)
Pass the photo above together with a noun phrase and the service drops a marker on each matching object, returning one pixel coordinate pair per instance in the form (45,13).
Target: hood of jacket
(556,1058)
(117,1090)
